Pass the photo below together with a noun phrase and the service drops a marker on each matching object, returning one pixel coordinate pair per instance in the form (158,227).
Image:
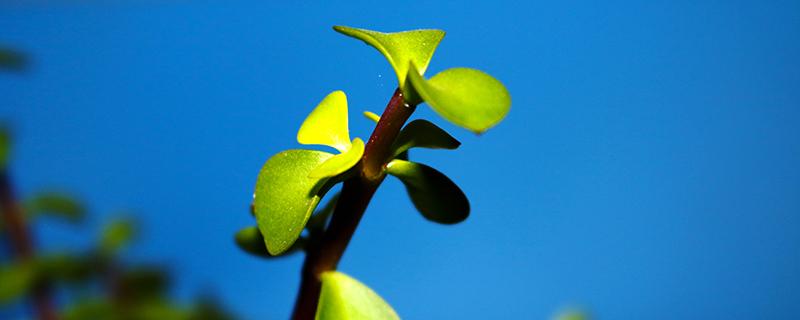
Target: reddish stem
(324,254)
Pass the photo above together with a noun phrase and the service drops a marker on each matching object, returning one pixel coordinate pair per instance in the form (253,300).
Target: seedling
(292,183)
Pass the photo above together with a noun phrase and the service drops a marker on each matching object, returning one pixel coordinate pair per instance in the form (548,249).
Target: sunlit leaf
(466,97)
(251,241)
(55,204)
(116,235)
(340,162)
(15,281)
(345,298)
(286,196)
(327,124)
(400,48)
(433,194)
(423,134)
(372,116)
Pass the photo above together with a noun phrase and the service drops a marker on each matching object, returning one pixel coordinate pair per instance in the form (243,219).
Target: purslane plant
(292,183)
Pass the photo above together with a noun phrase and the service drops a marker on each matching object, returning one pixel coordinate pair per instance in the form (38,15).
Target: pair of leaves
(343,297)
(434,195)
(466,97)
(291,183)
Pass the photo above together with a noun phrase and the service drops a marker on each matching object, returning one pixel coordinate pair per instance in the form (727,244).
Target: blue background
(648,168)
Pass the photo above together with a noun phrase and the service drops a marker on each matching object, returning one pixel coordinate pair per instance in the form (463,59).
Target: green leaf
(5,146)
(55,204)
(433,194)
(251,241)
(466,97)
(90,309)
(116,235)
(286,196)
(424,134)
(11,59)
(571,314)
(345,298)
(340,162)
(64,267)
(372,116)
(400,48)
(144,282)
(327,124)
(17,279)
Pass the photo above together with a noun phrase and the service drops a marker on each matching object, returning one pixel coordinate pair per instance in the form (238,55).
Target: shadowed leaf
(12,60)
(64,267)
(286,196)
(423,134)
(327,124)
(143,283)
(340,162)
(251,241)
(343,297)
(433,194)
(400,48)
(466,97)
(55,204)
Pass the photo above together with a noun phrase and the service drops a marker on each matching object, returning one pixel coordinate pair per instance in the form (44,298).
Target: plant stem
(324,254)
(21,244)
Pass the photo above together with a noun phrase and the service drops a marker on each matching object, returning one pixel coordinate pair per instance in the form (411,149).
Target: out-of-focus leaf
(466,97)
(90,309)
(251,241)
(16,280)
(209,309)
(143,283)
(64,267)
(400,48)
(571,314)
(423,134)
(56,204)
(12,60)
(157,309)
(339,163)
(286,196)
(343,298)
(327,124)
(433,194)
(5,146)
(372,116)
(116,235)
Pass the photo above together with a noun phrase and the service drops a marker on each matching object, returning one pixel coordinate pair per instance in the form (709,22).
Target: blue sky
(648,167)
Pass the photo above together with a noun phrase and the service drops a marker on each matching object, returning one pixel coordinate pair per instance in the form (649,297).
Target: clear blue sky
(649,167)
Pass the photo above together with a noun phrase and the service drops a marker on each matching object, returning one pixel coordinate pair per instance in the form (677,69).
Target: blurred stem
(21,244)
(324,253)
